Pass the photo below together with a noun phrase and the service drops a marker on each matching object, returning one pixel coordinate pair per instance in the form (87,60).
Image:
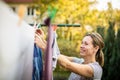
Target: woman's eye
(86,43)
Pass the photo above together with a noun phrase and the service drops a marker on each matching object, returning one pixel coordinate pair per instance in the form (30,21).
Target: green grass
(61,75)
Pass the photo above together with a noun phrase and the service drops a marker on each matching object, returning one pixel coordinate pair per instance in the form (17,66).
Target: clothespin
(38,26)
(52,12)
(21,11)
(34,24)
(54,27)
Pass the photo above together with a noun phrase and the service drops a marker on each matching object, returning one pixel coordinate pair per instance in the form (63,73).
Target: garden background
(83,12)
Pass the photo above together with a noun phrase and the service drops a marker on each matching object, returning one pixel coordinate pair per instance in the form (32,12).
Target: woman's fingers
(40,41)
(40,32)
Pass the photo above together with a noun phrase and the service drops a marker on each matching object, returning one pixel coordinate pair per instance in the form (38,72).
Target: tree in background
(117,61)
(109,53)
(101,31)
(111,49)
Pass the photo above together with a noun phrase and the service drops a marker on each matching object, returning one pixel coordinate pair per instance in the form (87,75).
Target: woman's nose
(81,46)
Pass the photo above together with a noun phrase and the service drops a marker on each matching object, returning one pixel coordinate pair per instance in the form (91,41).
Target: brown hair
(98,41)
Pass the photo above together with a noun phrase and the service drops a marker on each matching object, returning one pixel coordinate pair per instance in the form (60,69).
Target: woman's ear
(96,48)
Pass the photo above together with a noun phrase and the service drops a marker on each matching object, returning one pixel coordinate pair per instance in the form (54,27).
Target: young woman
(89,66)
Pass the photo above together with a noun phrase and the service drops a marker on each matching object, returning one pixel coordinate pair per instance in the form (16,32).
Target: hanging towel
(37,63)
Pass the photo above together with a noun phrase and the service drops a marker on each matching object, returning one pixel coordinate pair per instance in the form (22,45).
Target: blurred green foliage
(111,50)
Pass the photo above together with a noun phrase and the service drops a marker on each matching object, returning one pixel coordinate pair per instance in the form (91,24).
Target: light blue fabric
(37,64)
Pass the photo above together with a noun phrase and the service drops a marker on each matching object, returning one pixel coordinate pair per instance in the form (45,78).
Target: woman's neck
(89,60)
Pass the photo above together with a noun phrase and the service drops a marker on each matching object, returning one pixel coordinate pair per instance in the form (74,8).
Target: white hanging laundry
(16,46)
(56,50)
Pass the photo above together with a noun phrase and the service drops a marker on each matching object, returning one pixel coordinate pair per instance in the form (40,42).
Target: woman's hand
(39,39)
(40,32)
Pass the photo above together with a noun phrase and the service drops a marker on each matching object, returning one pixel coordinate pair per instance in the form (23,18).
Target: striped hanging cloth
(37,64)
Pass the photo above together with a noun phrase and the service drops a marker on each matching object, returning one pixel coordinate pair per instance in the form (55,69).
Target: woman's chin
(82,54)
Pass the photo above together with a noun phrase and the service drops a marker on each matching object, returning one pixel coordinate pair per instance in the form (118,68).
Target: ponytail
(100,57)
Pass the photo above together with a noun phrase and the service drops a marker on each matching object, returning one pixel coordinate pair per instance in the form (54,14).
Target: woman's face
(87,48)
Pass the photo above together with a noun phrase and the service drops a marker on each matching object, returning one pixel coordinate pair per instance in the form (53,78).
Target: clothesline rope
(61,25)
